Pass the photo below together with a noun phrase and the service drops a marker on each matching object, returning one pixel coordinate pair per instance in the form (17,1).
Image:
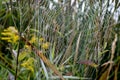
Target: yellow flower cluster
(10,35)
(33,39)
(43,43)
(42,39)
(29,64)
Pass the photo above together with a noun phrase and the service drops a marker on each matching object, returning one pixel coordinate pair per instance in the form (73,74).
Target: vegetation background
(59,39)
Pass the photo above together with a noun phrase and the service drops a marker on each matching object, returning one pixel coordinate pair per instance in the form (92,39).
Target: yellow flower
(12,29)
(6,33)
(45,45)
(5,38)
(33,39)
(29,64)
(15,38)
(27,47)
(41,39)
(10,35)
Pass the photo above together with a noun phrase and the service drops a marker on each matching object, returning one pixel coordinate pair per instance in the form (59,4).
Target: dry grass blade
(104,75)
(77,46)
(48,63)
(116,71)
(112,54)
(45,60)
(68,51)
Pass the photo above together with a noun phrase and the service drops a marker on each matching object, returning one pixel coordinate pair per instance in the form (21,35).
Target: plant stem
(16,71)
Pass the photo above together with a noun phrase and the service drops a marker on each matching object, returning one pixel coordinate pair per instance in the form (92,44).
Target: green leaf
(10,70)
(53,50)
(105,45)
(103,52)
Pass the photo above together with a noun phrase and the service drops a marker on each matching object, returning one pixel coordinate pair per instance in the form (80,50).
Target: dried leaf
(104,75)
(89,63)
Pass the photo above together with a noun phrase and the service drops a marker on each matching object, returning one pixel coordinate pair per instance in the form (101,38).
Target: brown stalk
(45,60)
(112,54)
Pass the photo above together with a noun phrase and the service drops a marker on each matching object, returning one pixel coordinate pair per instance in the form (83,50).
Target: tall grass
(82,36)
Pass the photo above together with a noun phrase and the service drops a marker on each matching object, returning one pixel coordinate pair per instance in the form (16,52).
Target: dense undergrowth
(68,40)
